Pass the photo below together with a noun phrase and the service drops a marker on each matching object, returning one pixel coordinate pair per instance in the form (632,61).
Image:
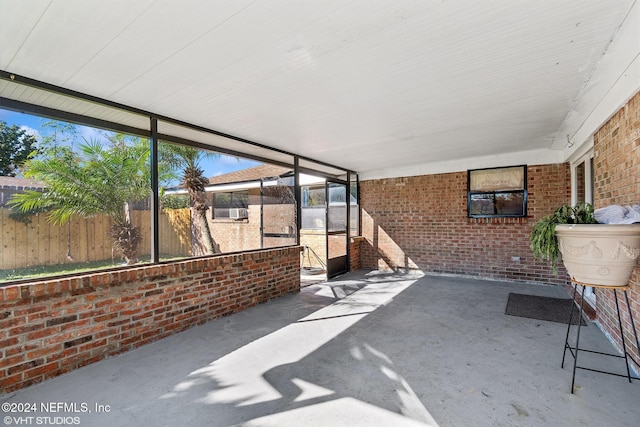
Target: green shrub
(544,242)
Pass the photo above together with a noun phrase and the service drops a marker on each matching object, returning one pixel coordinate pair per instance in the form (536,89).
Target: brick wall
(617,181)
(421,222)
(237,235)
(316,241)
(354,253)
(51,327)
(244,234)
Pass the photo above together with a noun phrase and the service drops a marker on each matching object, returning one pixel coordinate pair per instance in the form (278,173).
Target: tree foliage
(16,146)
(187,160)
(170,201)
(92,180)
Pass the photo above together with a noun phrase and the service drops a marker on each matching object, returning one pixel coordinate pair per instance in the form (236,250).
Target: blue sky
(33,124)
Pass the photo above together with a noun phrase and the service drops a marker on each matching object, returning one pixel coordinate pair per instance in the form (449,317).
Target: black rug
(541,308)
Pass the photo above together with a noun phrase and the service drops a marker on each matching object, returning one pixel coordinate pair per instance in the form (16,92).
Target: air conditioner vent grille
(238,213)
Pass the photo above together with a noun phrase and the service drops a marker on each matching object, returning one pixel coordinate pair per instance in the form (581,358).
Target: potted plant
(593,253)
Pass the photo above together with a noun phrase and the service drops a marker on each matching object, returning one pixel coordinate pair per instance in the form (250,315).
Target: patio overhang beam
(38,84)
(52,113)
(48,87)
(184,141)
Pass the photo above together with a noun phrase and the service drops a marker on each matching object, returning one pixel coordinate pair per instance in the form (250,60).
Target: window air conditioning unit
(238,213)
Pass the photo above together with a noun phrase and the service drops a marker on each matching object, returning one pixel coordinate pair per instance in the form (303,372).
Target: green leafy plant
(16,146)
(188,160)
(544,242)
(92,180)
(170,201)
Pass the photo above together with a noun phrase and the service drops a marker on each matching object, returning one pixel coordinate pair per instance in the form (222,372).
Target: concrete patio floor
(366,349)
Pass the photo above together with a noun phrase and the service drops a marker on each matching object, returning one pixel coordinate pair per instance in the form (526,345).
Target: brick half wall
(51,327)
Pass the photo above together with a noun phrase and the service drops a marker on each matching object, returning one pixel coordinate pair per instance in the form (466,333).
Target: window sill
(499,220)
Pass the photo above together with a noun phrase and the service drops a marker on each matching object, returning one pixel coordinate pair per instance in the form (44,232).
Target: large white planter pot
(600,254)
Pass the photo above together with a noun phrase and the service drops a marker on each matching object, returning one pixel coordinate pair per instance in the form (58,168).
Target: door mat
(542,308)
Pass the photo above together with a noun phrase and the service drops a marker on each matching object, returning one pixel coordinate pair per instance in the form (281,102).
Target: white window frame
(588,173)
(585,158)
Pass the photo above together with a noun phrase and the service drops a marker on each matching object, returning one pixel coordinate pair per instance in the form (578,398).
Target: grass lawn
(59,269)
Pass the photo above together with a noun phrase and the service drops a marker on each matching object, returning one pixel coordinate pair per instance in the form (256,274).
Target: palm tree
(93,181)
(192,178)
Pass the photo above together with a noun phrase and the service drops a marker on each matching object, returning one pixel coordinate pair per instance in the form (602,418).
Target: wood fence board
(165,239)
(84,240)
(91,238)
(175,232)
(43,233)
(63,244)
(75,249)
(103,230)
(8,257)
(43,243)
(142,219)
(54,241)
(20,242)
(34,243)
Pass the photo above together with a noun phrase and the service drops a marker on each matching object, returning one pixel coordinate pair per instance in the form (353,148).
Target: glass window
(73,198)
(313,196)
(582,179)
(497,192)
(354,221)
(279,212)
(313,206)
(232,204)
(581,196)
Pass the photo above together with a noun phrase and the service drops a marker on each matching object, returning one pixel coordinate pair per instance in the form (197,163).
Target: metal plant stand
(574,350)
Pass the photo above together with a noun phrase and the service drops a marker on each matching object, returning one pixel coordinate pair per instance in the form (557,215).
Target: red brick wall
(354,253)
(244,234)
(421,222)
(51,327)
(617,181)
(316,242)
(238,235)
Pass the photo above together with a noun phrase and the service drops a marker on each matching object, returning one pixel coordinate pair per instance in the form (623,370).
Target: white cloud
(31,131)
(90,134)
(229,160)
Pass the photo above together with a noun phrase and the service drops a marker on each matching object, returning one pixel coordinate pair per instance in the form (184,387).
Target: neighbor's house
(10,185)
(254,208)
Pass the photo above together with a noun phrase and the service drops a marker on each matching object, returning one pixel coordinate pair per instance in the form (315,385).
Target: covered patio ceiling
(383,88)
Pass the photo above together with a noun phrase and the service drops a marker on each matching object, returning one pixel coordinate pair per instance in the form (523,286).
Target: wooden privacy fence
(85,239)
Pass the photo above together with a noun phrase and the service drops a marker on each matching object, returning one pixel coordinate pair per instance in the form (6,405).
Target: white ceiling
(372,86)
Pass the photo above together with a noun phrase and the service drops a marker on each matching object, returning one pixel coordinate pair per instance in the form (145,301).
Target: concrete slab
(364,349)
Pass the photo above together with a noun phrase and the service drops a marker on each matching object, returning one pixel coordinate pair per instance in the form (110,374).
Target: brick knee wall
(51,327)
(354,252)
